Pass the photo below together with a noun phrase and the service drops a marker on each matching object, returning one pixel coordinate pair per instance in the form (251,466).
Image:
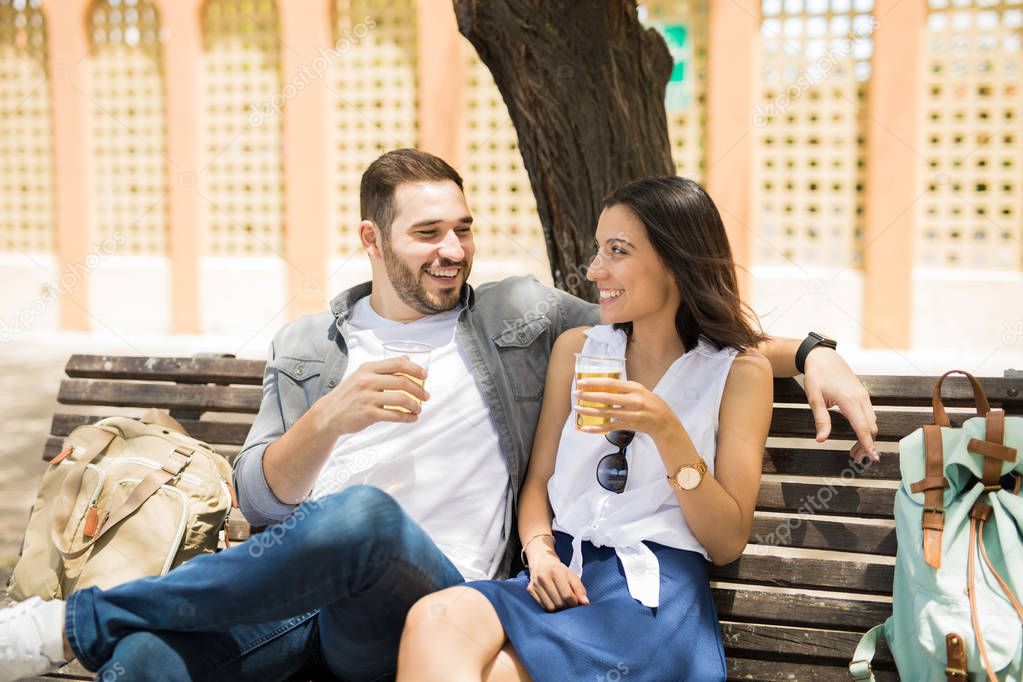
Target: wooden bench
(820,565)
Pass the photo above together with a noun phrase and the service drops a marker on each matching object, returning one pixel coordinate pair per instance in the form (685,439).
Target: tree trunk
(584,83)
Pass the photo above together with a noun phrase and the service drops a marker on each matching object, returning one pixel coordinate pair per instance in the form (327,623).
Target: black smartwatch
(809,343)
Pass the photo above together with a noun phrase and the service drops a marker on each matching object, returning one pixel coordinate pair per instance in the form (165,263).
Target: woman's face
(632,280)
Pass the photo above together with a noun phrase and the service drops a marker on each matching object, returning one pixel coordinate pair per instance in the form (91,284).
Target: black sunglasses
(613,469)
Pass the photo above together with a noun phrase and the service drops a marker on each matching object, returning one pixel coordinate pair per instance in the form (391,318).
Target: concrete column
(68,45)
(892,182)
(733,75)
(305,28)
(182,63)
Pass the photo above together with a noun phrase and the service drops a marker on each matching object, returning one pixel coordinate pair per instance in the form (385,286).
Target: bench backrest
(819,568)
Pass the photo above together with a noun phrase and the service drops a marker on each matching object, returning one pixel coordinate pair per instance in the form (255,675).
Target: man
(378,490)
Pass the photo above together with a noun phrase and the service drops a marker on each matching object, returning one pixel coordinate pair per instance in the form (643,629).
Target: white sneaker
(31,638)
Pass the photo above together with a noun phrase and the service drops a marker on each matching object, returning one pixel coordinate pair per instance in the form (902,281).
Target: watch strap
(812,340)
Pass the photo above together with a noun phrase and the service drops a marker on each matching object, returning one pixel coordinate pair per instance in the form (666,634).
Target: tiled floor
(29,379)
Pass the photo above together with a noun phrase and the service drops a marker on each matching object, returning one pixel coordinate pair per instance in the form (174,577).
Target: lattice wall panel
(242,177)
(26,140)
(374,99)
(687,103)
(496,184)
(810,132)
(972,131)
(128,145)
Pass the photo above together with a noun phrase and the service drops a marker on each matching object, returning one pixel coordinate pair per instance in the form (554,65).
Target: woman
(617,547)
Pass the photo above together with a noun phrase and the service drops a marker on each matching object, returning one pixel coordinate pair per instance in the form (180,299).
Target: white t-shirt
(446,469)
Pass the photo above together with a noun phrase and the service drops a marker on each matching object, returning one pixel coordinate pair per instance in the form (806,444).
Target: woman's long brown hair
(685,228)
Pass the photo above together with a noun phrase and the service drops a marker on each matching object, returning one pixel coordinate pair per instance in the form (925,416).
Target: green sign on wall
(677,96)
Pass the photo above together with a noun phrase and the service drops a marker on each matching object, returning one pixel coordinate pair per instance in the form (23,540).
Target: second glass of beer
(595,367)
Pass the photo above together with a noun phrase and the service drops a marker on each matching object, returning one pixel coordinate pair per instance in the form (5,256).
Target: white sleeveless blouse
(647,509)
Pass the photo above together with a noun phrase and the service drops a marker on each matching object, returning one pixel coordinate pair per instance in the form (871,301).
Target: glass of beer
(595,367)
(415,351)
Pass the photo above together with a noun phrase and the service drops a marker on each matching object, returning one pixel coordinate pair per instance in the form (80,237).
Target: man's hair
(376,193)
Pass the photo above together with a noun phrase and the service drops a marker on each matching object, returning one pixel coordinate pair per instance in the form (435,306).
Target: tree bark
(584,83)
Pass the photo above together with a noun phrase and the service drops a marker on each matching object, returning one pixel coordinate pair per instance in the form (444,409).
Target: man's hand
(828,381)
(359,400)
(293,461)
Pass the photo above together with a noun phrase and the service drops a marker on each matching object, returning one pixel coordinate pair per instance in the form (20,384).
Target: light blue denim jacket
(506,328)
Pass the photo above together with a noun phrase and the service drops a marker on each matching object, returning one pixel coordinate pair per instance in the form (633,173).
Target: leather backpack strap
(934,483)
(177,461)
(933,486)
(955,658)
(978,514)
(1013,599)
(979,398)
(993,449)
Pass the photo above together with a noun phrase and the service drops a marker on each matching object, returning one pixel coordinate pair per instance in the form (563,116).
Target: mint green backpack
(959,566)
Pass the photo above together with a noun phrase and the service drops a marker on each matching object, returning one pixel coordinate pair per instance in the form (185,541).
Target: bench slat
(181,370)
(770,671)
(895,390)
(806,573)
(800,610)
(915,390)
(162,395)
(812,533)
(229,433)
(831,498)
(746,639)
(797,422)
(812,462)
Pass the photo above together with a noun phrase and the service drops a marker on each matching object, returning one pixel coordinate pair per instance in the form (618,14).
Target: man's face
(428,253)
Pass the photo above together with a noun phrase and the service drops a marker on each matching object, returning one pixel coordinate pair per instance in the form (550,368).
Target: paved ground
(28,392)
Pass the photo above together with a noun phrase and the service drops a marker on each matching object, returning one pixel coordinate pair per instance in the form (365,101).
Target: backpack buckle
(862,671)
(931,523)
(178,460)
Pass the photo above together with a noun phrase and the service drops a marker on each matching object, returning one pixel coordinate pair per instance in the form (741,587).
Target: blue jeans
(324,591)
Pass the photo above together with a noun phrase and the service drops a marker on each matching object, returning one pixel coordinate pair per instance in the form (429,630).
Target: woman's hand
(553,585)
(633,406)
(829,382)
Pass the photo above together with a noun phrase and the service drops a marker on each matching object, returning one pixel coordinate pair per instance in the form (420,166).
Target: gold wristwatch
(688,476)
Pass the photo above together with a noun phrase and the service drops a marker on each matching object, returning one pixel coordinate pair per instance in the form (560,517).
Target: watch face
(688,478)
(824,340)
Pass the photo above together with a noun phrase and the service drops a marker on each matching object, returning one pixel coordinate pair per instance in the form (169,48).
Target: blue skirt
(616,638)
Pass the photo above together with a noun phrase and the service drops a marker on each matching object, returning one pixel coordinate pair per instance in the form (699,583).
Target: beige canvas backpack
(126,498)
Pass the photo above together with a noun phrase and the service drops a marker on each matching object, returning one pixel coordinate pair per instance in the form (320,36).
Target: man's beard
(411,292)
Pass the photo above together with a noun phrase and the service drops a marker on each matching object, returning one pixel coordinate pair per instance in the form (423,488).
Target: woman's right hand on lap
(554,586)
